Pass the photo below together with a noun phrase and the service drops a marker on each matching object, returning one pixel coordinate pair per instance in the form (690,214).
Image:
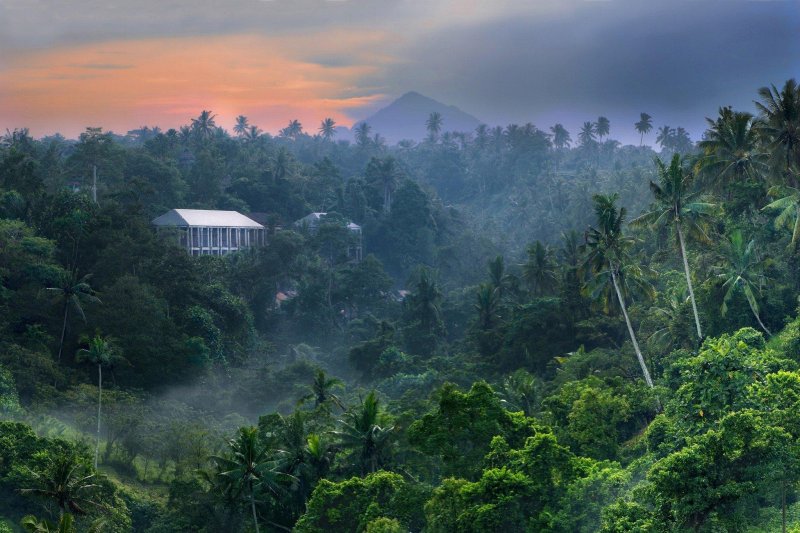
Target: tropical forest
(547,330)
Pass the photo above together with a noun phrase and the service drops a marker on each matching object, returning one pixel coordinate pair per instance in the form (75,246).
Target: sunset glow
(120,85)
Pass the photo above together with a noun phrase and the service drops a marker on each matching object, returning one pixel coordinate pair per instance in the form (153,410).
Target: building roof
(313,220)
(205,218)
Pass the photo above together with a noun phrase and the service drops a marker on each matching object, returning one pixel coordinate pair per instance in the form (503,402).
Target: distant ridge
(405,118)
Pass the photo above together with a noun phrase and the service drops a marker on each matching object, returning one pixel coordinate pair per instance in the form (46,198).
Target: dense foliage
(540,336)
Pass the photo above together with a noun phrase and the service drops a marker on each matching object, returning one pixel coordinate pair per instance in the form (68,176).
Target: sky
(120,65)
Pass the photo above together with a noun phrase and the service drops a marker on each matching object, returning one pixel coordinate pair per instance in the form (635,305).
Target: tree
(787,205)
(780,112)
(363,140)
(246,471)
(293,130)
(363,431)
(67,481)
(252,133)
(540,269)
(602,127)
(73,293)
(561,137)
(608,257)
(204,125)
(731,149)
(676,207)
(100,352)
(742,270)
(327,129)
(434,125)
(588,135)
(321,391)
(242,127)
(387,174)
(664,137)
(644,125)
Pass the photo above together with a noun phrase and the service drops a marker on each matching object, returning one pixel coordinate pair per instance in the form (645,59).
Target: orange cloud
(120,85)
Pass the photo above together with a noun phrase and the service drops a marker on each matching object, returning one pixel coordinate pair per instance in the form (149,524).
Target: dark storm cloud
(678,61)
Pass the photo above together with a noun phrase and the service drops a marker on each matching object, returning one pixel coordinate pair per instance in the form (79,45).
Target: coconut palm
(204,125)
(73,293)
(675,207)
(434,125)
(252,133)
(363,433)
(644,125)
(241,127)
(742,270)
(66,524)
(362,132)
(386,172)
(780,112)
(246,471)
(731,148)
(664,137)
(321,391)
(100,352)
(487,304)
(539,270)
(327,129)
(607,257)
(588,135)
(293,130)
(561,138)
(788,207)
(602,127)
(68,482)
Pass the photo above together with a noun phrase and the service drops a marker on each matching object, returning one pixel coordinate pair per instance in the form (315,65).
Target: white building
(211,232)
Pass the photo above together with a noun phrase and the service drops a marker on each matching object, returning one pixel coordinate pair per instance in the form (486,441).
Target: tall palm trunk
(99,406)
(630,328)
(63,330)
(253,507)
(688,279)
(760,323)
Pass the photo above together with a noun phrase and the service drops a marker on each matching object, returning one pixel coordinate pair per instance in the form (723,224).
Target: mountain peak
(405,117)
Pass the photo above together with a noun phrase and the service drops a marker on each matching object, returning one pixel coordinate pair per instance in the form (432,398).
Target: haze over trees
(548,331)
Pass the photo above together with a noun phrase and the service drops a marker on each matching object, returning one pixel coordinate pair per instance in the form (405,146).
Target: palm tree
(664,137)
(561,138)
(487,304)
(587,134)
(246,470)
(387,173)
(522,391)
(602,126)
(252,133)
(434,125)
(731,148)
(102,353)
(67,481)
(780,112)
(321,391)
(742,270)
(676,207)
(204,124)
(66,524)
(73,293)
(539,271)
(788,207)
(241,126)
(607,257)
(327,129)
(293,130)
(362,432)
(644,125)
(363,130)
